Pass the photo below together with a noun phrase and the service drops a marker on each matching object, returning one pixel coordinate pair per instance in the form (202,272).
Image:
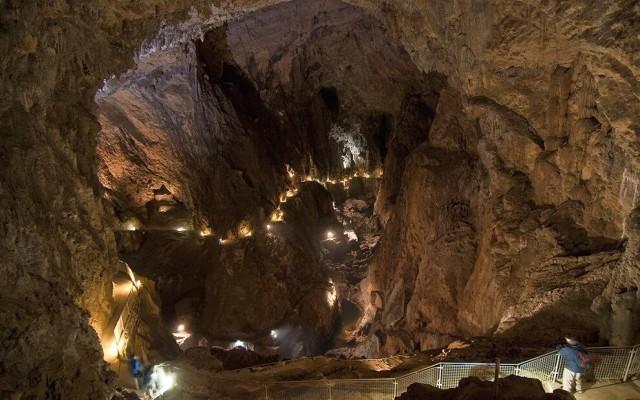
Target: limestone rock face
(514,212)
(508,133)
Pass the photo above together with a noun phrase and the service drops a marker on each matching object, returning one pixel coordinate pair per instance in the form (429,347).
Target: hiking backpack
(583,360)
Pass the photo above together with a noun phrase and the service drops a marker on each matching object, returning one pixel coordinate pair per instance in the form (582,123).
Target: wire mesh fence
(343,389)
(607,363)
(426,376)
(540,368)
(312,390)
(634,363)
(452,373)
(363,389)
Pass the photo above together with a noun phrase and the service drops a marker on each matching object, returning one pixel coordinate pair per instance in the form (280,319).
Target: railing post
(632,354)
(554,374)
(330,391)
(266,392)
(496,379)
(395,388)
(439,383)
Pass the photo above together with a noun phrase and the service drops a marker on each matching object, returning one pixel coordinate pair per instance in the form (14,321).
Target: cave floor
(615,391)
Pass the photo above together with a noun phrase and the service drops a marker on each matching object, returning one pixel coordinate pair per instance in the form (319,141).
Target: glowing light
(290,171)
(268,226)
(351,235)
(245,230)
(164,209)
(277,215)
(181,229)
(224,242)
(332,294)
(283,197)
(122,289)
(181,334)
(131,224)
(366,175)
(274,334)
(308,178)
(291,192)
(138,283)
(163,380)
(205,232)
(331,235)
(110,351)
(242,345)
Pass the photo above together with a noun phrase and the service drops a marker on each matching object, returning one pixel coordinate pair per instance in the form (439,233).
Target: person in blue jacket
(576,362)
(137,370)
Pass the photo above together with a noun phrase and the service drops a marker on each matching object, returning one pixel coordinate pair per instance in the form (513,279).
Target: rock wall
(58,249)
(532,222)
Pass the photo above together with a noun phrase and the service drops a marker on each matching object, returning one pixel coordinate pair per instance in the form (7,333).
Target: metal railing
(127,321)
(607,364)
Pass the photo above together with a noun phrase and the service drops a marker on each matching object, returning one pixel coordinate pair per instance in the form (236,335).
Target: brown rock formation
(519,163)
(513,209)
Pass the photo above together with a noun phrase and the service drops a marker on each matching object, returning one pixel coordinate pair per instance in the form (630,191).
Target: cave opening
(245,165)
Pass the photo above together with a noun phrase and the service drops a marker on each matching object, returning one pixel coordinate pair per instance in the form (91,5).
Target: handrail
(449,373)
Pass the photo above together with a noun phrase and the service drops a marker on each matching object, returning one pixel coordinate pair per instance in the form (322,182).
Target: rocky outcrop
(57,246)
(512,211)
(511,388)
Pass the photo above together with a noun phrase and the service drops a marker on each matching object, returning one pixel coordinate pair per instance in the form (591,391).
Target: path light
(331,235)
(274,334)
(181,328)
(277,215)
(242,345)
(332,294)
(351,235)
(164,381)
(110,350)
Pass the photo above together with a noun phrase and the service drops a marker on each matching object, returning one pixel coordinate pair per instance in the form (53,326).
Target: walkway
(615,391)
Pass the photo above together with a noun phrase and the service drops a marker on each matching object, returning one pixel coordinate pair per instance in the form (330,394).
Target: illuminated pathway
(123,323)
(244,229)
